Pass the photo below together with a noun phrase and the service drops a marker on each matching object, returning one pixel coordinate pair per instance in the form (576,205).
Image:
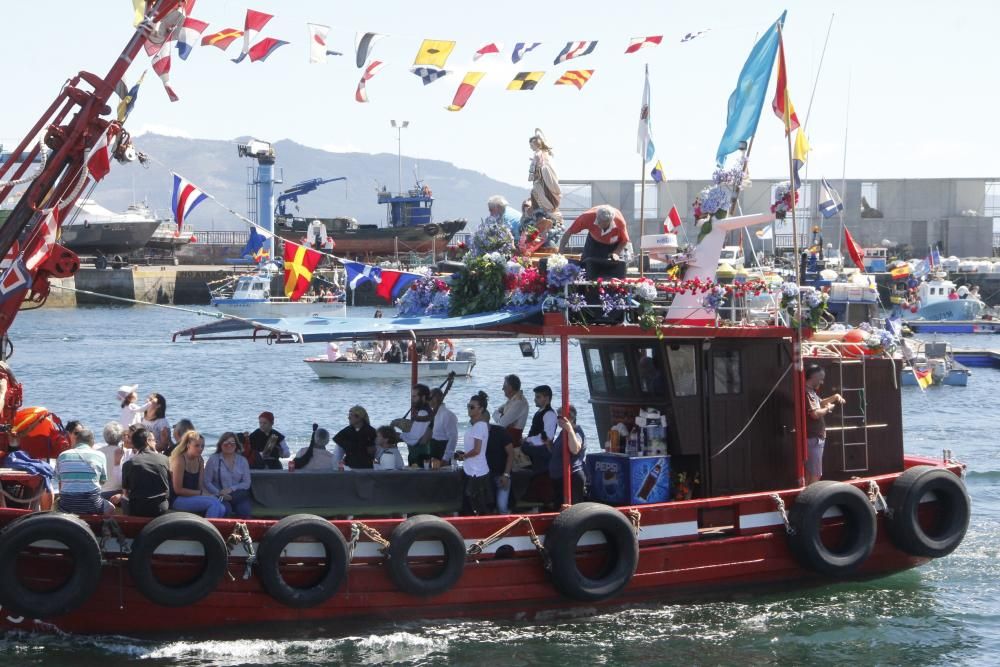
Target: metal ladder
(853,426)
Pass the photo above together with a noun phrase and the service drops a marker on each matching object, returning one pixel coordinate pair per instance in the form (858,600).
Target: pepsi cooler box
(616,479)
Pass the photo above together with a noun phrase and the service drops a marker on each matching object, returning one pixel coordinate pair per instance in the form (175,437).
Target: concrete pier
(177,285)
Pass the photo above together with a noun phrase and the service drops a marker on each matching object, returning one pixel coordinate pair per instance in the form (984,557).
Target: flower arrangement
(493,236)
(711,203)
(480,286)
(559,272)
(813,304)
(783,200)
(714,297)
(426,296)
(456,251)
(878,340)
(531,239)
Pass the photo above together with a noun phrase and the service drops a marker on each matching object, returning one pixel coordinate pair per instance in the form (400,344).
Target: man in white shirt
(444,431)
(513,414)
(420,418)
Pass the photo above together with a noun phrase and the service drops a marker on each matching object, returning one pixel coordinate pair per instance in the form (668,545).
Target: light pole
(399,149)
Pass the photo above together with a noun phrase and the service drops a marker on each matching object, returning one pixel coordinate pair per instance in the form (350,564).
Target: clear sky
(920,75)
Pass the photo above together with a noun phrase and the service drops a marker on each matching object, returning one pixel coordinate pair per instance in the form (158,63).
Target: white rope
(29,178)
(754,415)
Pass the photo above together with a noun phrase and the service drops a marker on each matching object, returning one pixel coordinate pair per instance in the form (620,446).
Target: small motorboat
(365,363)
(251,298)
(937,357)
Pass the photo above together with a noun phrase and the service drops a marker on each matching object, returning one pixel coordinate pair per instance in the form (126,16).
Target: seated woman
(187,479)
(357,439)
(387,456)
(316,457)
(227,476)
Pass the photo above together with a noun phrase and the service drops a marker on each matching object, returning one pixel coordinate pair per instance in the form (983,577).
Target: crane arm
(305,187)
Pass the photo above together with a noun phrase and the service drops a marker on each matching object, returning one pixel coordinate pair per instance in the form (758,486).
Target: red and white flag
(637,43)
(41,246)
(491,49)
(161,65)
(265,47)
(317,42)
(673,221)
(99,157)
(254,23)
(189,35)
(361,94)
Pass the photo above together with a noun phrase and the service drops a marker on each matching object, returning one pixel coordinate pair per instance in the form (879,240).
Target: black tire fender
(177,526)
(430,528)
(273,544)
(806,518)
(561,542)
(82,582)
(904,501)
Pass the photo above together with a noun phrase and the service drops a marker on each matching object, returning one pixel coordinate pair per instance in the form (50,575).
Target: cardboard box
(617,479)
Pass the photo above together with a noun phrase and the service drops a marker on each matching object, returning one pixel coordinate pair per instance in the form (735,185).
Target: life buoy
(84,557)
(177,526)
(941,529)
(450,354)
(431,229)
(563,538)
(427,528)
(288,530)
(857,530)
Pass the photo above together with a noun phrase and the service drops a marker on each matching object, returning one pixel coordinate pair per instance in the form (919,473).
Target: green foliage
(479,288)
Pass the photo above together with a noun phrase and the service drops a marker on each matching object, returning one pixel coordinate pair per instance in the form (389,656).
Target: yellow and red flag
(465,90)
(300,262)
(575,77)
(782,103)
(925,378)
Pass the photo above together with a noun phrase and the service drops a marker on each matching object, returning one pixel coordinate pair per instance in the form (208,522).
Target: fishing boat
(363,362)
(409,227)
(936,301)
(249,296)
(938,358)
(712,400)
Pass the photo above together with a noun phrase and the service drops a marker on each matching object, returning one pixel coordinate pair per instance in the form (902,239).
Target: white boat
(939,359)
(251,299)
(384,370)
(934,302)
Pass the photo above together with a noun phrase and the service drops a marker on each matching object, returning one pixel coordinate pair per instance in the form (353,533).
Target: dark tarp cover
(324,329)
(356,492)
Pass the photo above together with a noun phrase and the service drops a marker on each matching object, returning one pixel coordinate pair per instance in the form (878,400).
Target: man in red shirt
(607,233)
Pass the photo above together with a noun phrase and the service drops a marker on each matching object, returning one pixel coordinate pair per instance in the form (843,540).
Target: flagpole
(843,169)
(642,209)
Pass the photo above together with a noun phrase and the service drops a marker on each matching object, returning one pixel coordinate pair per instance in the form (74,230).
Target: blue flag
(657,172)
(358,274)
(254,243)
(829,201)
(747,99)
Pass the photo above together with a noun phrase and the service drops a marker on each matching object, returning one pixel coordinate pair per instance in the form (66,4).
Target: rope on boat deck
(111,529)
(477,548)
(358,527)
(241,536)
(780,504)
(9,496)
(877,499)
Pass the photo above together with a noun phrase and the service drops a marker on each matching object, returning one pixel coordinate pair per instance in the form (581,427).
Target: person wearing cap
(267,444)
(607,233)
(132,412)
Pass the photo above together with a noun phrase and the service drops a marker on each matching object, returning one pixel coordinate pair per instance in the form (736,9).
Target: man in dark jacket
(145,478)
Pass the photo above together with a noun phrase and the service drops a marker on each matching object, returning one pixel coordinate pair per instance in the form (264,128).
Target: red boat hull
(677,561)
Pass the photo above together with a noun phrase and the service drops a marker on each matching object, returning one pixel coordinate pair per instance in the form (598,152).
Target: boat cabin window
(595,371)
(726,372)
(649,365)
(619,372)
(682,369)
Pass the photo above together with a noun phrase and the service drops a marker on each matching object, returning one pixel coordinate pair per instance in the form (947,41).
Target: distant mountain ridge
(215,167)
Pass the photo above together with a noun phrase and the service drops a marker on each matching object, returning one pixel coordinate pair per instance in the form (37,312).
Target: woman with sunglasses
(475,469)
(227,476)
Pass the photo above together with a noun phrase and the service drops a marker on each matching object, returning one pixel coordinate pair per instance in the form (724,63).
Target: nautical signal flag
(99,157)
(645,144)
(575,77)
(854,251)
(363,45)
(264,48)
(575,50)
(829,201)
(433,53)
(255,242)
(521,49)
(221,39)
(186,196)
(188,36)
(673,221)
(361,94)
(637,43)
(925,378)
(252,24)
(799,155)
(525,80)
(491,49)
(657,173)
(359,274)
(782,103)
(15,278)
(429,74)
(300,262)
(692,35)
(39,247)
(317,42)
(393,283)
(465,90)
(161,65)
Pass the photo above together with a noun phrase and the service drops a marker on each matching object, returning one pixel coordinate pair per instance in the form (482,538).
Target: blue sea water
(946,612)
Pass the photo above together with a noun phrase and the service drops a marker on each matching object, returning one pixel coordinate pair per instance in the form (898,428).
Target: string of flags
(177,26)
